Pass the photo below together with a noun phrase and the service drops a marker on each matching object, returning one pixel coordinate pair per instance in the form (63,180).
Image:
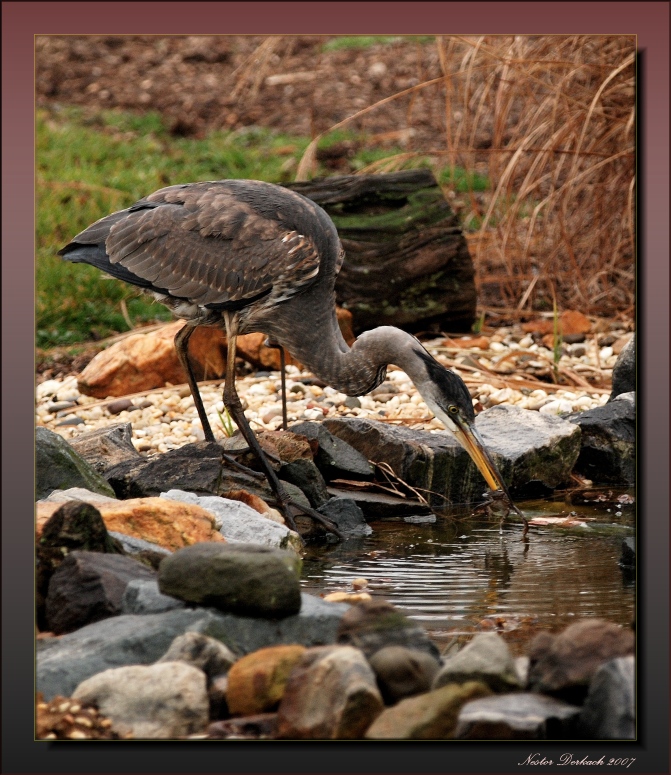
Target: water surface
(456,575)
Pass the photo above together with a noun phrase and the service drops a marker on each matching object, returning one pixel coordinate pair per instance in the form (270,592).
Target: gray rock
(118,406)
(132,639)
(331,694)
(193,468)
(519,716)
(76,494)
(403,672)
(165,700)
(122,640)
(526,446)
(59,467)
(347,517)
(563,664)
(608,443)
(335,458)
(303,473)
(240,523)
(316,624)
(624,371)
(246,579)
(609,710)
(485,658)
(378,505)
(138,546)
(207,654)
(87,587)
(370,626)
(106,447)
(142,596)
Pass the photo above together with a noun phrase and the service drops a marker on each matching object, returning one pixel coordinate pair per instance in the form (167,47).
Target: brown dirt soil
(202,83)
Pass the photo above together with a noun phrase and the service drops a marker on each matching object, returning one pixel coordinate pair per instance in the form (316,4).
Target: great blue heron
(255,257)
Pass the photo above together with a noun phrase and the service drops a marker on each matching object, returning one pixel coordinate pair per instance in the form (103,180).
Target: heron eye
(452,409)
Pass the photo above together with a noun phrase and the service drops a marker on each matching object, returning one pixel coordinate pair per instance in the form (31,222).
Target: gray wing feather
(202,243)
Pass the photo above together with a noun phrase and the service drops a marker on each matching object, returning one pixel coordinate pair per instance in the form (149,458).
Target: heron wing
(203,243)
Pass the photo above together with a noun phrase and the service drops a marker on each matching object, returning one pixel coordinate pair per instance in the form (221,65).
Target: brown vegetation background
(549,120)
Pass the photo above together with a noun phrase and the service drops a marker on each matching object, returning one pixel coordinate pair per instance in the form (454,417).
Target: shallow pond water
(456,575)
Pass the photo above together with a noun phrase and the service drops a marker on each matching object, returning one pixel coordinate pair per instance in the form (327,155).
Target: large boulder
(527,447)
(608,441)
(59,467)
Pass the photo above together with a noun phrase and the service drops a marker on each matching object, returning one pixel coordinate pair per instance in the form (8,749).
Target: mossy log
(407,262)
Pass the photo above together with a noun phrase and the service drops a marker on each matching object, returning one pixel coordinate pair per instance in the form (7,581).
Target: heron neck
(356,370)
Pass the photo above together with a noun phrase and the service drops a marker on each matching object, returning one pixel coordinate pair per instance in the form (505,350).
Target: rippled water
(456,576)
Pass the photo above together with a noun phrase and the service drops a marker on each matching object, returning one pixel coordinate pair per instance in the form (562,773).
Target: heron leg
(283,379)
(182,346)
(234,405)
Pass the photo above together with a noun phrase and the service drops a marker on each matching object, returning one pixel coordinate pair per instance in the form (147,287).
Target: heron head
(446,395)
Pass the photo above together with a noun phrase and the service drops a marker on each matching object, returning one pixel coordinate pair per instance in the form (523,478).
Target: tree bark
(406,260)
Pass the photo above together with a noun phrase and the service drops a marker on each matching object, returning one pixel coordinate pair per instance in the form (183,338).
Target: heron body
(251,257)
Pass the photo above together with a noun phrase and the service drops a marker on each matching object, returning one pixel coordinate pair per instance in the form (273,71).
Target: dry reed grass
(550,122)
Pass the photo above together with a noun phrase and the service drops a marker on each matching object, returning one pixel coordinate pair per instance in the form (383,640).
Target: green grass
(91,164)
(366,41)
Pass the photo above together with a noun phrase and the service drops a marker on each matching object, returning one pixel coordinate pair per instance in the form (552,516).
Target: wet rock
(429,716)
(88,587)
(525,445)
(257,681)
(170,524)
(347,517)
(485,658)
(239,578)
(624,371)
(207,654)
(165,700)
(134,639)
(370,626)
(106,447)
(608,443)
(519,716)
(240,523)
(59,467)
(331,694)
(142,596)
(563,664)
(403,672)
(74,525)
(335,458)
(609,709)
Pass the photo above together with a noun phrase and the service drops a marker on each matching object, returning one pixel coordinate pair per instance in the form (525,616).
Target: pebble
(167,419)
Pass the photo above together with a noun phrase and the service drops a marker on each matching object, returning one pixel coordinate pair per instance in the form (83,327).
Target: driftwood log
(406,260)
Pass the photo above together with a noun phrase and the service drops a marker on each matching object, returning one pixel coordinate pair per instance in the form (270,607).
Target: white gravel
(166,419)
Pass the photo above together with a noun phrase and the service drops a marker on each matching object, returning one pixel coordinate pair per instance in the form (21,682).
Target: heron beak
(472,442)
